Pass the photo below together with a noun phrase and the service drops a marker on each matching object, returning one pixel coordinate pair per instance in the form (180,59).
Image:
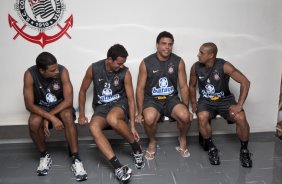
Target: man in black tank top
(48,96)
(113,102)
(160,75)
(212,75)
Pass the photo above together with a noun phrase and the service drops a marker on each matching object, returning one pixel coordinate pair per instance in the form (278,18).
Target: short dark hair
(212,47)
(45,59)
(164,34)
(117,50)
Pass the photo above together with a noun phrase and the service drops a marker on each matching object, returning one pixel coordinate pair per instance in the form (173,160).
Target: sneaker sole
(84,177)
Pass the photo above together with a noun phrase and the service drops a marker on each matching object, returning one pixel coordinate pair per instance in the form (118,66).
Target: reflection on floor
(19,162)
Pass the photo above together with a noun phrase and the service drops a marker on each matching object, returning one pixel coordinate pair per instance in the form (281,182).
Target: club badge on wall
(43,18)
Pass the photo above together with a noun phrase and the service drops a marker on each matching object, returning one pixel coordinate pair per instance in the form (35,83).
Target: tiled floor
(18,163)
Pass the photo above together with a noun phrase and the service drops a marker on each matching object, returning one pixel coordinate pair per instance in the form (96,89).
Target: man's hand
(135,134)
(46,127)
(57,123)
(190,116)
(82,120)
(234,110)
(139,118)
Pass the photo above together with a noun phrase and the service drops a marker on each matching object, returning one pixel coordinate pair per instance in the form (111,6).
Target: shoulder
(220,61)
(176,57)
(98,63)
(150,57)
(32,71)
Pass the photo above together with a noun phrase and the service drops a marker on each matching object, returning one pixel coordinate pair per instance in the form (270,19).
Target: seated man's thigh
(116,114)
(170,104)
(224,105)
(205,110)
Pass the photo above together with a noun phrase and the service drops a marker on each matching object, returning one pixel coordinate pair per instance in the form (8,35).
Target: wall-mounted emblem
(43,18)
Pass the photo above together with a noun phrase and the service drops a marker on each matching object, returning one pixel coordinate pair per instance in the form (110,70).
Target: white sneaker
(44,165)
(78,170)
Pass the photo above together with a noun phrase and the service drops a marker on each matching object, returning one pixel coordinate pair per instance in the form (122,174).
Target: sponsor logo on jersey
(164,88)
(209,92)
(107,96)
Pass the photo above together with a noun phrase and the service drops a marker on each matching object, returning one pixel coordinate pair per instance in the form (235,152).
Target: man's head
(164,44)
(47,65)
(116,56)
(164,34)
(207,52)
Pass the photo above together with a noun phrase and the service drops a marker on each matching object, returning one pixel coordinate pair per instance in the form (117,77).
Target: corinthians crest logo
(40,16)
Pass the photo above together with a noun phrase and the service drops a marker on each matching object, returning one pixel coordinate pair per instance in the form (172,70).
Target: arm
(82,119)
(29,100)
(192,88)
(182,80)
(141,82)
(67,93)
(235,74)
(130,96)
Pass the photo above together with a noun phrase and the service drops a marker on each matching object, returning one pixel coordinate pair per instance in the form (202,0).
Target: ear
(41,71)
(110,59)
(212,55)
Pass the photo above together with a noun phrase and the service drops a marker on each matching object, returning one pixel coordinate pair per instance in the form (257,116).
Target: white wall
(247,33)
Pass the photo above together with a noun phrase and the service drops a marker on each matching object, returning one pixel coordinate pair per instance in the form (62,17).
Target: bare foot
(151,150)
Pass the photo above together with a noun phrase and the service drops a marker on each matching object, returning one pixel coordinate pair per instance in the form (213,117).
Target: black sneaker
(213,156)
(44,165)
(245,158)
(139,160)
(123,174)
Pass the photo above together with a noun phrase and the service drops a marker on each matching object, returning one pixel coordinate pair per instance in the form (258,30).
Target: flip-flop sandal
(183,153)
(150,155)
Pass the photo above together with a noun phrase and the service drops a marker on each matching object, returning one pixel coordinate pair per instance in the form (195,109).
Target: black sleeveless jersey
(162,77)
(48,93)
(213,83)
(107,86)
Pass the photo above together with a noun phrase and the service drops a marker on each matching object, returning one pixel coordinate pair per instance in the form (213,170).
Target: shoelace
(213,153)
(246,155)
(138,157)
(44,162)
(121,172)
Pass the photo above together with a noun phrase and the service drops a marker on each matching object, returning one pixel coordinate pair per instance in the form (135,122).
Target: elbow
(248,83)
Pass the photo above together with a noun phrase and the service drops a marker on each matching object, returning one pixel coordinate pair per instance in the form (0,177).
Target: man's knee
(95,129)
(150,119)
(203,117)
(151,116)
(114,121)
(34,122)
(182,115)
(240,118)
(67,116)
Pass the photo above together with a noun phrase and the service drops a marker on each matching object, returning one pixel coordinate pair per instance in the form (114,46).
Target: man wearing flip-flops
(160,77)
